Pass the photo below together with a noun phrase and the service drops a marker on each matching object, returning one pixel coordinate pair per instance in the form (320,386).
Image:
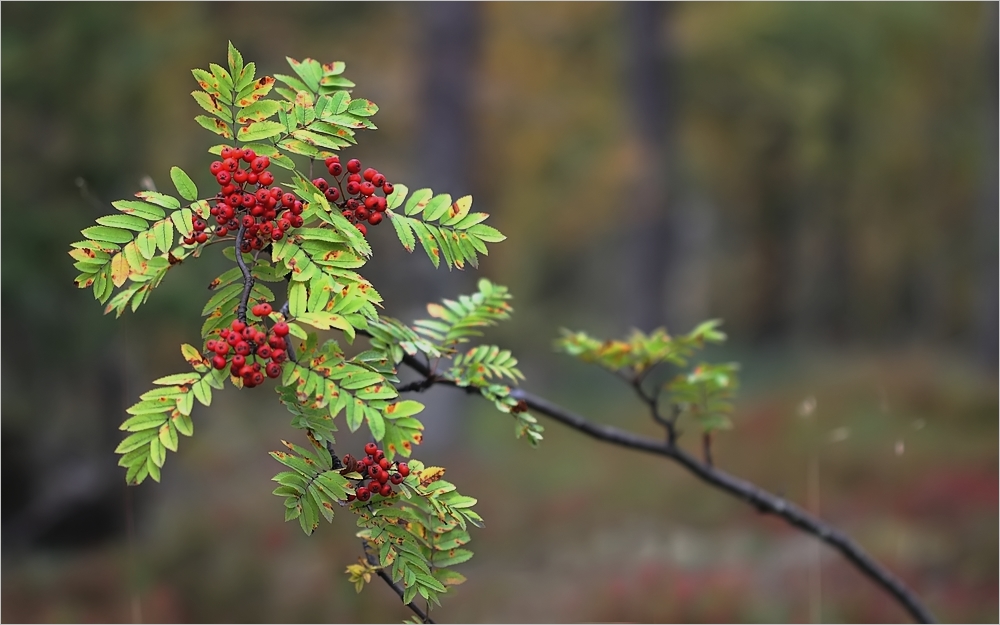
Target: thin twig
(761,499)
(241,310)
(373,561)
(706,448)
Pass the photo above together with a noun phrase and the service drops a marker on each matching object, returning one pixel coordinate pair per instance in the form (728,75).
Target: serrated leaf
(258,111)
(139,209)
(486,233)
(458,211)
(260,130)
(417,201)
(403,230)
(296,299)
(405,408)
(160,199)
(177,379)
(185,186)
(235,60)
(163,232)
(106,233)
(362,107)
(375,423)
(129,222)
(119,269)
(436,207)
(168,436)
(217,126)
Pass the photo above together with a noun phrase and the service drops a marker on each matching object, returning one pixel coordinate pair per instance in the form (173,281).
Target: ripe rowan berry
(363,494)
(371,449)
(273,369)
(375,219)
(219,362)
(387,189)
(266,178)
(354,165)
(280,328)
(223,177)
(361,227)
(215,167)
(404,469)
(395,478)
(264,351)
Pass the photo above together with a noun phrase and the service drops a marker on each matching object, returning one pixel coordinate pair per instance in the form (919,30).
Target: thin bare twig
(762,500)
(241,310)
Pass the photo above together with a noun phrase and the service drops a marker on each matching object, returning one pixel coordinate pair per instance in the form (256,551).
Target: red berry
(258,378)
(248,155)
(221,348)
(237,325)
(332,194)
(265,309)
(243,348)
(367,188)
(240,176)
(335,169)
(281,328)
(385,491)
(278,355)
(353,188)
(369,174)
(354,178)
(363,494)
(215,167)
(237,153)
(252,178)
(383,462)
(361,227)
(287,200)
(201,237)
(404,469)
(264,351)
(378,180)
(273,370)
(297,221)
(367,460)
(371,449)
(381,205)
(230,164)
(354,165)
(382,477)
(321,184)
(375,219)
(373,471)
(234,338)
(387,189)
(223,177)
(258,164)
(210,345)
(266,178)
(330,160)
(198,224)
(395,478)
(227,152)
(219,362)
(361,213)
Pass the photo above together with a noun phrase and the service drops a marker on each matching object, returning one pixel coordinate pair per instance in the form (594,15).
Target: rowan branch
(241,310)
(762,500)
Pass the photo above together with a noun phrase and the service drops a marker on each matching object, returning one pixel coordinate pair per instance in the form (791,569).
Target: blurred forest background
(821,176)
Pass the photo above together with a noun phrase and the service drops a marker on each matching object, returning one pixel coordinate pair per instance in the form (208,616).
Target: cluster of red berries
(375,471)
(354,194)
(252,349)
(246,198)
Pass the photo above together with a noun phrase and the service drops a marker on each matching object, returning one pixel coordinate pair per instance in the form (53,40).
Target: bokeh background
(821,176)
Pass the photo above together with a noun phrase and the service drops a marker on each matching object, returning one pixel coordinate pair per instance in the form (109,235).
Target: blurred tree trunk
(986,338)
(651,89)
(446,151)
